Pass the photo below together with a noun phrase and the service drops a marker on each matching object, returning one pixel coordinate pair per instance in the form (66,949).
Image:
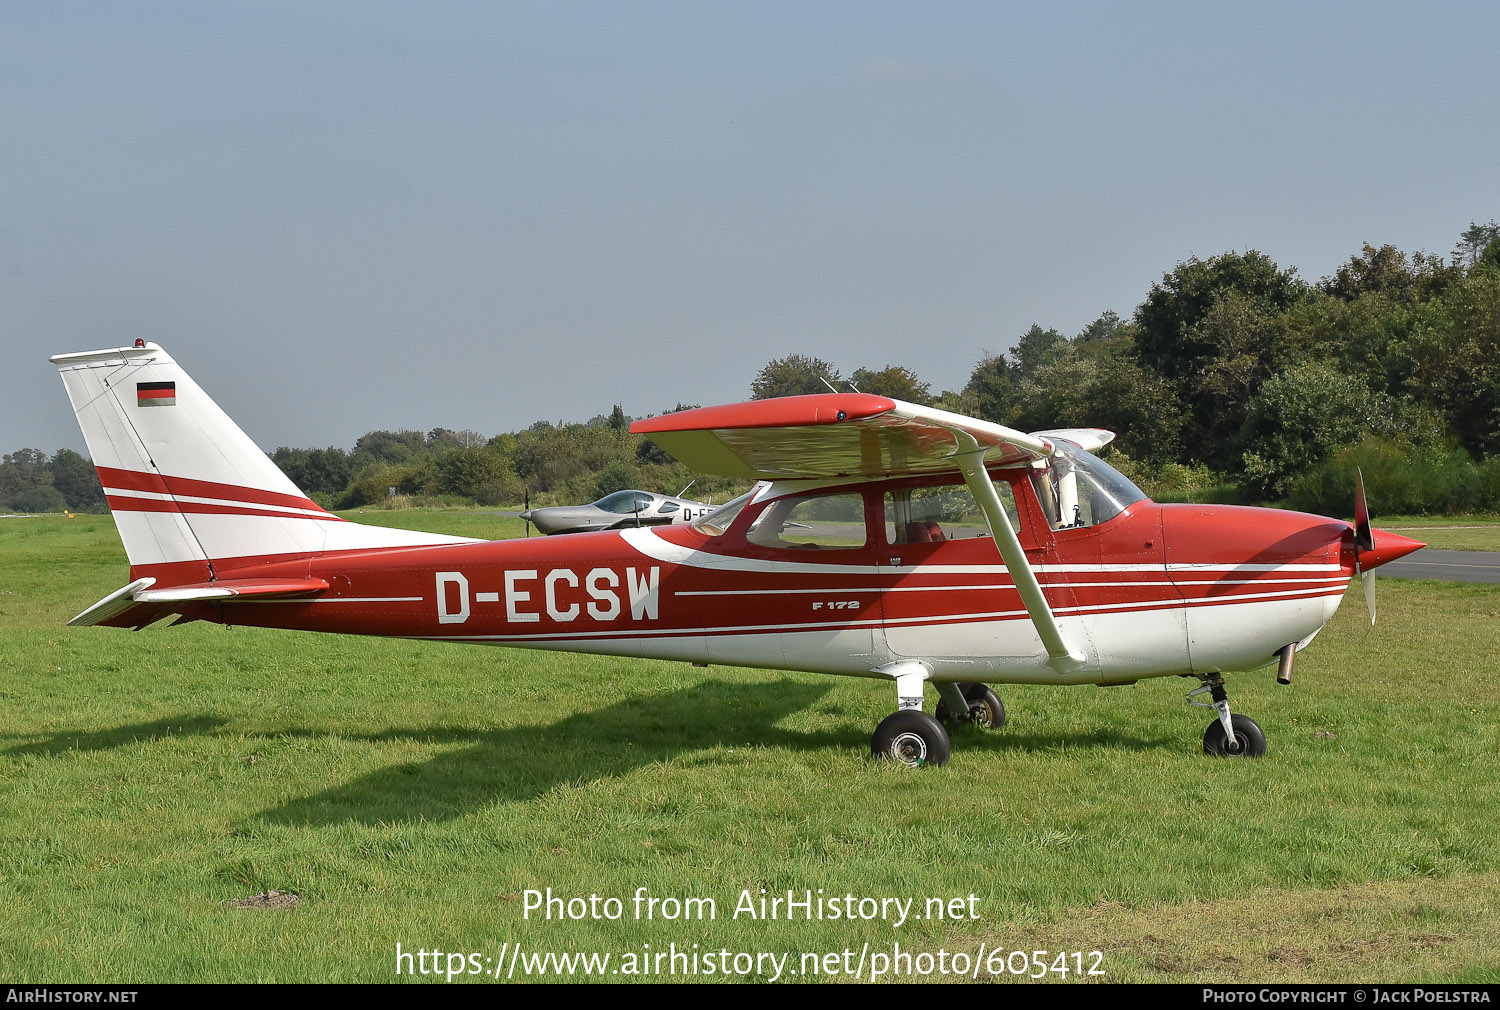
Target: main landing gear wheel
(985,708)
(1249,740)
(911,737)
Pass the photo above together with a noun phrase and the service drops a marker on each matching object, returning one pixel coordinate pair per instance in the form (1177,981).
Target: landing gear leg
(1230,735)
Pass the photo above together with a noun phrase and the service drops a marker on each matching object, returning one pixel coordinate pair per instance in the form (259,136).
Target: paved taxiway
(1450,566)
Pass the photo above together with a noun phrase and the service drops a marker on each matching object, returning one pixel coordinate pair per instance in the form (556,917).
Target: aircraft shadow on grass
(525,762)
(120,736)
(1100,739)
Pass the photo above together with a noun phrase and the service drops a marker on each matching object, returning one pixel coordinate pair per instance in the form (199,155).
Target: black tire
(985,708)
(911,737)
(1248,735)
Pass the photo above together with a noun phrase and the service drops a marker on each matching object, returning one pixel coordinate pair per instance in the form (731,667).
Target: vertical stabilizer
(192,495)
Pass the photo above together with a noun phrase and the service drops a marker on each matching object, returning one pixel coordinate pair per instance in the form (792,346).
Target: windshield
(719,520)
(1080,489)
(624,502)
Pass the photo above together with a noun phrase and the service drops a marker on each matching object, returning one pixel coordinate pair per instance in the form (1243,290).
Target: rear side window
(827,522)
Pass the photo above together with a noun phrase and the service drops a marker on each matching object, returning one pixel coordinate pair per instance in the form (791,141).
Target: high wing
(863,435)
(1092,439)
(833,435)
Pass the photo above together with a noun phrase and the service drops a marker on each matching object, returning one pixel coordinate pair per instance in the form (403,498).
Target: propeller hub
(1387,547)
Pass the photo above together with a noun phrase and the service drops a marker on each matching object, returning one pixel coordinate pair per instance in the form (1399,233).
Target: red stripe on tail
(135,480)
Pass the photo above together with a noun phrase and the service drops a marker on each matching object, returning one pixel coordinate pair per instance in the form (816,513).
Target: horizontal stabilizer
(226,589)
(113,605)
(137,604)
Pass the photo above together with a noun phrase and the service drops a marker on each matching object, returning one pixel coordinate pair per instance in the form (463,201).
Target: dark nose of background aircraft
(1388,547)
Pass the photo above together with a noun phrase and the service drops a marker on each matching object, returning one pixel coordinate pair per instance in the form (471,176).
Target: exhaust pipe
(1288,654)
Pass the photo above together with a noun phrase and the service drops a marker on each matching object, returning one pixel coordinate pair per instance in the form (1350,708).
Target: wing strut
(1064,659)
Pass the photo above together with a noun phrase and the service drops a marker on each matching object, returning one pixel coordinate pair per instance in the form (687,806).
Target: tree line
(1234,380)
(1237,380)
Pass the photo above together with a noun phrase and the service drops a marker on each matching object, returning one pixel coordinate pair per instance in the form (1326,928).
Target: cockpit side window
(1079,489)
(921,515)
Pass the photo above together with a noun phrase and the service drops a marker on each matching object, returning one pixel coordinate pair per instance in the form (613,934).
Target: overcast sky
(346,216)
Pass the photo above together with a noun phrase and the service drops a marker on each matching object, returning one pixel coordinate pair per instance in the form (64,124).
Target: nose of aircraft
(1388,547)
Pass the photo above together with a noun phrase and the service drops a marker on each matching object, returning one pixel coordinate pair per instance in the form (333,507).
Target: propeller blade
(527,513)
(1364,537)
(1367,581)
(1364,540)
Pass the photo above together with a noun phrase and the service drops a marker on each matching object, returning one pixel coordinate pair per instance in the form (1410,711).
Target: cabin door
(948,597)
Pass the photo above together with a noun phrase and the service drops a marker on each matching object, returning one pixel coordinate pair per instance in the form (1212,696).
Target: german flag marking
(156,394)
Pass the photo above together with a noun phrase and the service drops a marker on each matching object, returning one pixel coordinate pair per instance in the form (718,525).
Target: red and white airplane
(884,540)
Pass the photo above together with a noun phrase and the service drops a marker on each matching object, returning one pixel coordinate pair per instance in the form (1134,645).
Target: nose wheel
(1249,740)
(1230,735)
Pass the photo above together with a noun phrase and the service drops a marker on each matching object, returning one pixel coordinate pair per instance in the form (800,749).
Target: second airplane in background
(618,511)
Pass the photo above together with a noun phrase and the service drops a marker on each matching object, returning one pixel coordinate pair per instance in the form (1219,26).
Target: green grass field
(413,792)
(1448,534)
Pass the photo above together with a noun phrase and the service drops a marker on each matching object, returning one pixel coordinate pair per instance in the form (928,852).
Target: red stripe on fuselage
(394,593)
(942,621)
(290,565)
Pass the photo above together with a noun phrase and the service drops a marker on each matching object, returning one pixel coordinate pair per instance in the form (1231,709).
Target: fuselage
(1155,590)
